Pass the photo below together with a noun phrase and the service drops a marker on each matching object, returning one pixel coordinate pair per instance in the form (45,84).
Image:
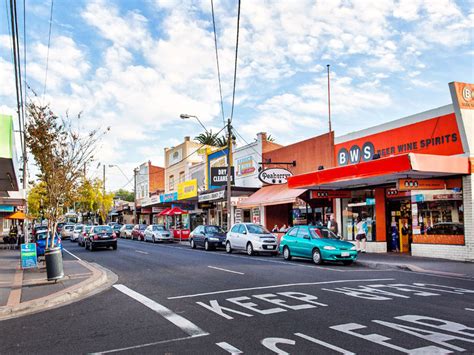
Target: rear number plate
(345,254)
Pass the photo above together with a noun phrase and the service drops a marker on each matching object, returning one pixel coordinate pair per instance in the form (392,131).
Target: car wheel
(114,247)
(87,246)
(153,240)
(228,247)
(347,262)
(193,245)
(317,257)
(91,247)
(249,249)
(286,253)
(207,247)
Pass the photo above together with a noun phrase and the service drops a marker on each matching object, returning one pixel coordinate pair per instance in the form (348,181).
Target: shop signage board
(237,215)
(322,194)
(274,176)
(218,195)
(187,189)
(465,95)
(28,256)
(170,197)
(217,159)
(256,215)
(6,208)
(145,210)
(245,166)
(219,176)
(157,209)
(394,193)
(438,135)
(421,184)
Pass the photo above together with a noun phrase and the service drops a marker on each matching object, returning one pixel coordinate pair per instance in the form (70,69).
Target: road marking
(229,348)
(181,322)
(435,275)
(142,252)
(323,343)
(149,344)
(469,309)
(67,251)
(218,268)
(275,286)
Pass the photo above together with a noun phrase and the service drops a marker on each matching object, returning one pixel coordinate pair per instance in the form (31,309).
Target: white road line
(142,252)
(67,251)
(276,286)
(149,344)
(229,348)
(435,275)
(181,322)
(323,343)
(218,268)
(469,309)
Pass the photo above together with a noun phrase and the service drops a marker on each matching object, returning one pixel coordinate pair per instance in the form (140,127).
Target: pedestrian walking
(361,236)
(332,224)
(395,237)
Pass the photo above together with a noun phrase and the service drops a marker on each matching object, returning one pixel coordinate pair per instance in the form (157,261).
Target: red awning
(164,212)
(382,171)
(271,195)
(176,211)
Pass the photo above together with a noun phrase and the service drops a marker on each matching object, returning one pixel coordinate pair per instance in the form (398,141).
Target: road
(172,299)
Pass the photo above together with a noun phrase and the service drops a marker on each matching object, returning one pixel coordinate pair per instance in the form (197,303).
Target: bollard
(54,263)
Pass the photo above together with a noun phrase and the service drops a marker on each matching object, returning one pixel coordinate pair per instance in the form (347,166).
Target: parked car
(157,233)
(252,238)
(126,231)
(101,236)
(209,237)
(75,232)
(60,226)
(316,243)
(67,231)
(116,227)
(82,235)
(40,240)
(138,232)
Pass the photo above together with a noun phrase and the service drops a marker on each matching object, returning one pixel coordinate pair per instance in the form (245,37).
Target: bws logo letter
(356,154)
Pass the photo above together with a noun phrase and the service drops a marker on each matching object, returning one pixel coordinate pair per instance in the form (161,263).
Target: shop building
(150,181)
(410,180)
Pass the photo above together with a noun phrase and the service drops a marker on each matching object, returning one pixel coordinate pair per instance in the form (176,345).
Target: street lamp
(118,167)
(185,116)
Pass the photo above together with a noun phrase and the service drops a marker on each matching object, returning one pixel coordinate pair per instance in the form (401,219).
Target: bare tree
(60,153)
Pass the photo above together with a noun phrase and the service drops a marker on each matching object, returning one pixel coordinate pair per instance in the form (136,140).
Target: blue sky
(136,65)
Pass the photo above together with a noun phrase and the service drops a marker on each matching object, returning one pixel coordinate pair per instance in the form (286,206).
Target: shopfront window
(362,204)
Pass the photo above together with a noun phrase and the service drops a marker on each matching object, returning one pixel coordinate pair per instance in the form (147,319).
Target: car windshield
(77,228)
(41,235)
(257,229)
(103,229)
(69,228)
(159,228)
(322,233)
(214,229)
(142,227)
(129,226)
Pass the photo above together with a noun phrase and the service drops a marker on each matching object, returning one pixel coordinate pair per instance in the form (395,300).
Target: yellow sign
(187,189)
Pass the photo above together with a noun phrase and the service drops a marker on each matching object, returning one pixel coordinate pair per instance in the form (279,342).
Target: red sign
(421,184)
(438,135)
(321,194)
(145,211)
(465,95)
(394,193)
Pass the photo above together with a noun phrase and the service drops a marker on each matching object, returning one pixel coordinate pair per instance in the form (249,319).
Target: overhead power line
(49,45)
(235,63)
(217,61)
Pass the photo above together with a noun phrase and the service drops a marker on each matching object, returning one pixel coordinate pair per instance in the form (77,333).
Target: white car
(78,228)
(252,238)
(82,235)
(126,231)
(157,233)
(67,231)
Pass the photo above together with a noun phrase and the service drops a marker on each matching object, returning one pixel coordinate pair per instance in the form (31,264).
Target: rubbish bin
(54,263)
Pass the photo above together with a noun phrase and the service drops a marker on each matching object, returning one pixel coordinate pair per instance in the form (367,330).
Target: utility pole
(229,175)
(103,190)
(329,101)
(135,195)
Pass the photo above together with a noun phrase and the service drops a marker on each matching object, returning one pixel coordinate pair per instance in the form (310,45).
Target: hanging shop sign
(187,189)
(274,176)
(322,194)
(421,184)
(169,197)
(219,176)
(218,195)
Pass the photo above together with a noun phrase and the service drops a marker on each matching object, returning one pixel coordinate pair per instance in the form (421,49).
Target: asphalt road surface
(170,299)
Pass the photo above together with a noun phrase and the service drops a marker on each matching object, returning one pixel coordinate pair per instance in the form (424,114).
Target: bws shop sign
(274,176)
(355,154)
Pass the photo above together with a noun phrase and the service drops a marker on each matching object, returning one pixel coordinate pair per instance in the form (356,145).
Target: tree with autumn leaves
(60,152)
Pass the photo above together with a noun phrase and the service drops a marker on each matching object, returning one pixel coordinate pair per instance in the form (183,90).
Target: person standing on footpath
(361,235)
(332,225)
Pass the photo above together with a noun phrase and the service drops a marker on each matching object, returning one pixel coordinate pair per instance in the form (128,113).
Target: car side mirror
(306,237)
(244,232)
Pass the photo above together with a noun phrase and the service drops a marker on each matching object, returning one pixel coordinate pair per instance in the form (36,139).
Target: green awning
(8,171)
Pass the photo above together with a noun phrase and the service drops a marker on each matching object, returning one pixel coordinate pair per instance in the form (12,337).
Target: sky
(137,65)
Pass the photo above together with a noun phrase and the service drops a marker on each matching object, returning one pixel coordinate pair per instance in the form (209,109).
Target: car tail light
(96,237)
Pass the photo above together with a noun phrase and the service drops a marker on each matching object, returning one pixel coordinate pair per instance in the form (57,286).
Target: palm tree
(208,138)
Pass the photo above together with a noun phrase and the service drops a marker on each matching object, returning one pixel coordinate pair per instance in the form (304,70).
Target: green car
(317,243)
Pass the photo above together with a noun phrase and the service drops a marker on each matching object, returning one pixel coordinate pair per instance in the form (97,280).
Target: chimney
(262,136)
(187,138)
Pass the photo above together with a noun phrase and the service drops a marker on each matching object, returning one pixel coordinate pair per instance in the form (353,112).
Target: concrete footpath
(28,291)
(417,264)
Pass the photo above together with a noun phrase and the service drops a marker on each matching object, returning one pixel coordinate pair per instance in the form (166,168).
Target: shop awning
(164,212)
(382,171)
(8,168)
(272,195)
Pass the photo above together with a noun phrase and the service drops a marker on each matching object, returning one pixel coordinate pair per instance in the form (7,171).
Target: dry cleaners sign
(274,176)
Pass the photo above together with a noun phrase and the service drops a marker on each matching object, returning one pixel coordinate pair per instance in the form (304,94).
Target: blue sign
(173,196)
(418,198)
(370,201)
(6,208)
(28,256)
(218,155)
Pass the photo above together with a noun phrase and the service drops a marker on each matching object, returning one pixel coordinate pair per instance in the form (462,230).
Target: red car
(138,232)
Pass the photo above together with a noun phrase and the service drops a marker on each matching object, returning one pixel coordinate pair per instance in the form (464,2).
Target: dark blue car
(40,240)
(209,237)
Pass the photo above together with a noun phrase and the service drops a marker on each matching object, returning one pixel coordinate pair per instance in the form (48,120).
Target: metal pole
(329,100)
(229,167)
(135,196)
(103,191)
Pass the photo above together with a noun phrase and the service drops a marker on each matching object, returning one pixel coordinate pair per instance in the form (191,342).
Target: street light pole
(229,175)
(135,195)
(185,116)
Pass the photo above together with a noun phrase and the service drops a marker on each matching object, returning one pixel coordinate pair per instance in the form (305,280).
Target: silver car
(252,238)
(157,233)
(75,233)
(67,231)
(82,235)
(126,231)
